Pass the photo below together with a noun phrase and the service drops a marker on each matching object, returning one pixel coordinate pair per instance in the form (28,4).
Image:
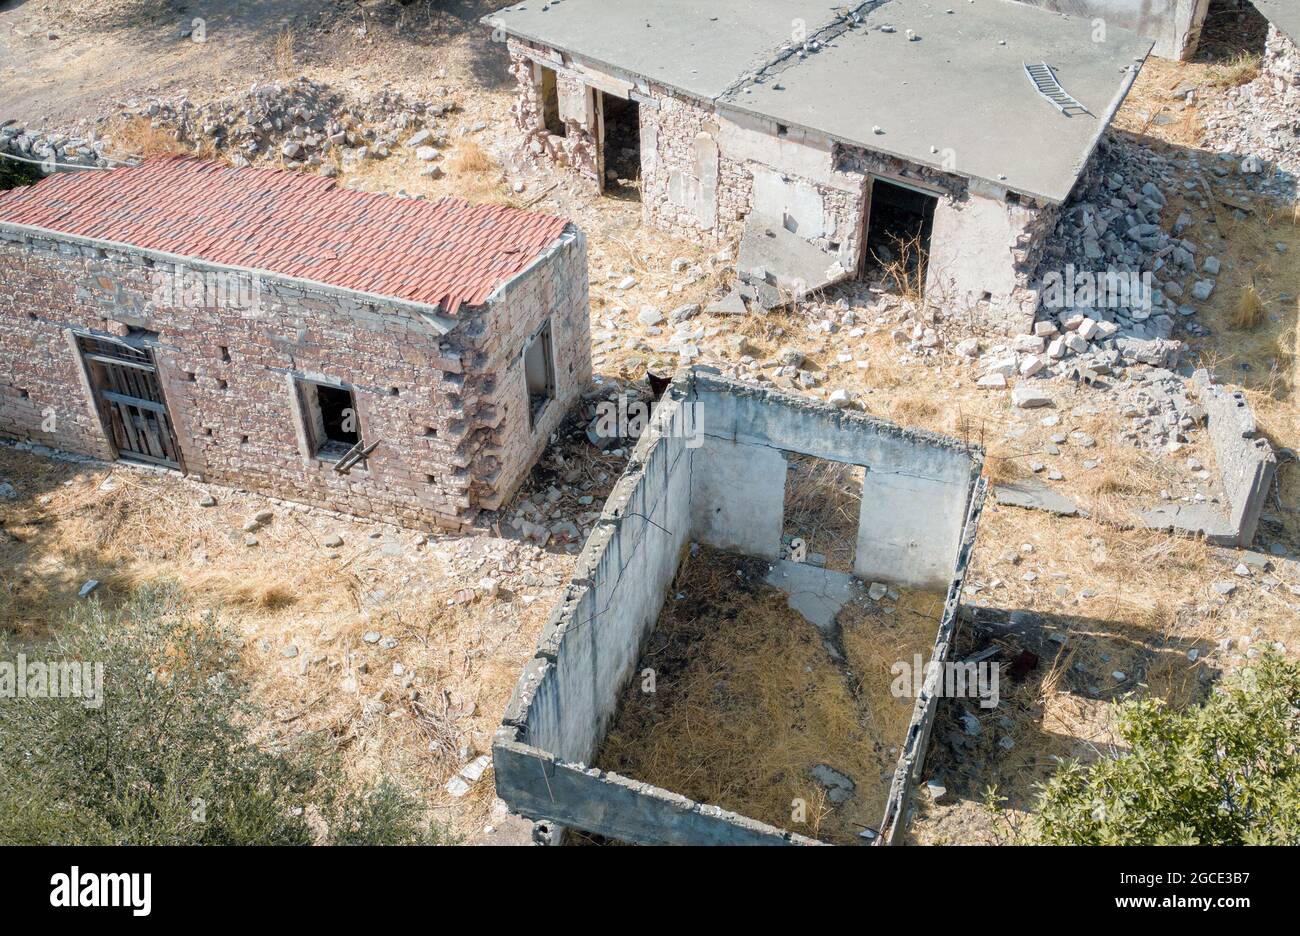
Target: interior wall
(738,500)
(915,495)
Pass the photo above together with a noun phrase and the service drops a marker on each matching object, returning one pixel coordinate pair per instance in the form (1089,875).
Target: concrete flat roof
(955,88)
(1284,14)
(697,46)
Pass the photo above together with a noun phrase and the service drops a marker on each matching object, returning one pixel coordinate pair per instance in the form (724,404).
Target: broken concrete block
(1025,396)
(1034,495)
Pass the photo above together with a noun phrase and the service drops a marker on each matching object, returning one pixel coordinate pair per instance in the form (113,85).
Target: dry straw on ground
(748,699)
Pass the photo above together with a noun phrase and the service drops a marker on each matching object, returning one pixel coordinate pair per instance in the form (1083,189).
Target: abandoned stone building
(386,357)
(831,142)
(715,470)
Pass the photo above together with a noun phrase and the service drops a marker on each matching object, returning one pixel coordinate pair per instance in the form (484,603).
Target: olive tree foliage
(167,756)
(1223,773)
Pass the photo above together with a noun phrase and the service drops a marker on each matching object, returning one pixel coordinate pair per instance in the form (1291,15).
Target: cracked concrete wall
(915,493)
(738,503)
(1174,25)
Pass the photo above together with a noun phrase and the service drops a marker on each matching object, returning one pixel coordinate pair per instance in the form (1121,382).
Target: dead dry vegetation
(416,701)
(747,701)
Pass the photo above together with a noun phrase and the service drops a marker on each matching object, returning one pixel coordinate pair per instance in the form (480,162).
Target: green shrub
(14,173)
(167,758)
(1224,773)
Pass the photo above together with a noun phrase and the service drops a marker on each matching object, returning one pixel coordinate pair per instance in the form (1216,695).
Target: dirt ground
(1123,602)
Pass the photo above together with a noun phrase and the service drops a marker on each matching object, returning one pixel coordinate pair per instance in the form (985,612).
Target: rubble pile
(1262,117)
(297,124)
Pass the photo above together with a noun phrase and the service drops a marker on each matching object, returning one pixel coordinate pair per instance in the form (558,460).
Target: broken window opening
(330,415)
(539,372)
(900,221)
(622,145)
(823,504)
(549,89)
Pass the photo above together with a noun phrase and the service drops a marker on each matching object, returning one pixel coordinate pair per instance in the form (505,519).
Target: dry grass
(470,159)
(1250,310)
(748,700)
(822,502)
(137,136)
(283,53)
(126,527)
(1236,71)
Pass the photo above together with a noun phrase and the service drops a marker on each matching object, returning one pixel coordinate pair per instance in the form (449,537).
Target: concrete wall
(914,497)
(1246,462)
(444,407)
(738,500)
(568,693)
(911,760)
(1174,25)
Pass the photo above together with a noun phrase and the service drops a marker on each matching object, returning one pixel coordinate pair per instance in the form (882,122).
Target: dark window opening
(330,414)
(550,93)
(225,353)
(622,122)
(900,221)
(539,372)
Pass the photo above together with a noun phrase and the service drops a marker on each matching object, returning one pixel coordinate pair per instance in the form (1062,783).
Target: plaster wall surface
(738,499)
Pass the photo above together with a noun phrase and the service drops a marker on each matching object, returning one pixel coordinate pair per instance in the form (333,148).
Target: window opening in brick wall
(330,415)
(550,92)
(539,372)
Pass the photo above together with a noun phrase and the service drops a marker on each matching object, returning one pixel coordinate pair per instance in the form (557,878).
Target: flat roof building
(965,126)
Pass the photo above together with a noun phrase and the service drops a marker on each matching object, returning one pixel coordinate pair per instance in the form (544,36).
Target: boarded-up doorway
(124,381)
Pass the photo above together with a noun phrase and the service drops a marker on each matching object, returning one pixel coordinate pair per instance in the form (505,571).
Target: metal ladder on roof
(1045,83)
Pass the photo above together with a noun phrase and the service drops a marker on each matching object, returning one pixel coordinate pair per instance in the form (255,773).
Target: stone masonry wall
(579,148)
(556,288)
(228,373)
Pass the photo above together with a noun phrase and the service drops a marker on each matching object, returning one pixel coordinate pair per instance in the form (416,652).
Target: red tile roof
(445,253)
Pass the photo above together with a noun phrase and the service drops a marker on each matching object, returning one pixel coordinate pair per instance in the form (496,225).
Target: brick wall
(228,368)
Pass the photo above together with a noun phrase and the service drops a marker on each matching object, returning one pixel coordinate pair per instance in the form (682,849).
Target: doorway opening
(621,119)
(899,222)
(550,93)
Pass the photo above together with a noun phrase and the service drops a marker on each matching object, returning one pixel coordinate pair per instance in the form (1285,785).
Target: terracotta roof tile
(447,252)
